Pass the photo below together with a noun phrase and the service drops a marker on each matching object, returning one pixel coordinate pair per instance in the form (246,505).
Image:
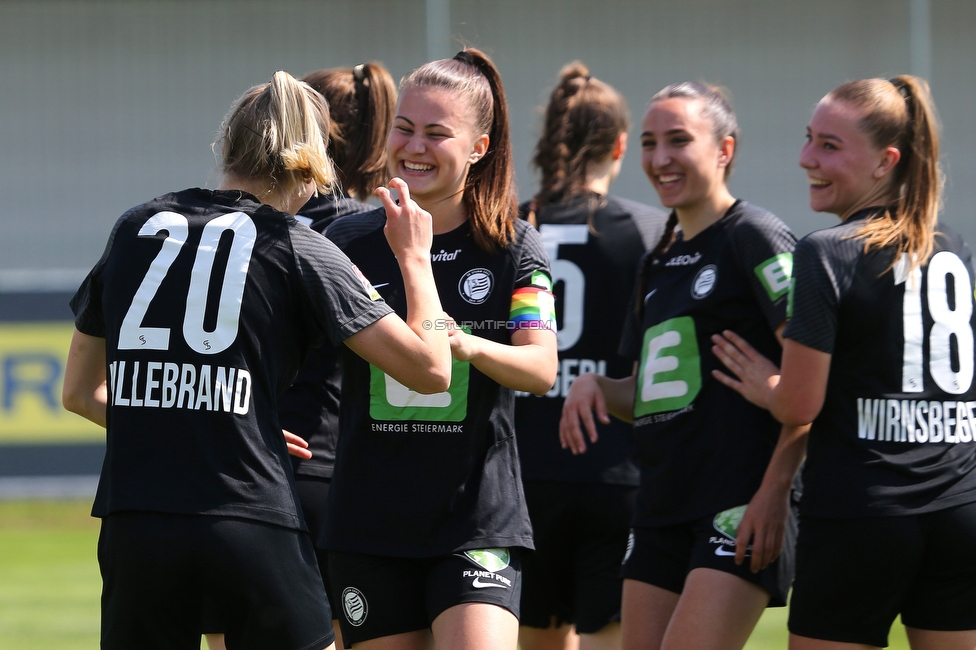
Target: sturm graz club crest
(354,606)
(475,285)
(704,282)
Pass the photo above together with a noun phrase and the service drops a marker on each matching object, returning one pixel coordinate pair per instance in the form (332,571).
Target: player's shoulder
(349,228)
(747,219)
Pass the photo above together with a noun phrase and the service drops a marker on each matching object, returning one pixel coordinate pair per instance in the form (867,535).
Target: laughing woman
(713,505)
(879,355)
(426,518)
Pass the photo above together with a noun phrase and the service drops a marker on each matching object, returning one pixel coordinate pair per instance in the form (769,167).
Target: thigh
(943,594)
(264,580)
(547,587)
(604,525)
(150,581)
(852,577)
(475,626)
(490,576)
(717,610)
(645,613)
(378,596)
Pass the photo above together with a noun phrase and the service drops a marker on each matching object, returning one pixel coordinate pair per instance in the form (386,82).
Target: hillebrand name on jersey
(186,386)
(683,260)
(895,420)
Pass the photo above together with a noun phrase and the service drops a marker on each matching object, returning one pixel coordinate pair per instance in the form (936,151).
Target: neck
(446,214)
(599,175)
(696,218)
(260,189)
(878,197)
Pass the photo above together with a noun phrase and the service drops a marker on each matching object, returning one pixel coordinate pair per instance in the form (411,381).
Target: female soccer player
(361,100)
(879,355)
(426,516)
(581,506)
(705,453)
(197,316)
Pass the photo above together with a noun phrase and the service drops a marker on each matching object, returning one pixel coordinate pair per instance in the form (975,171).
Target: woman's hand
(297,446)
(409,228)
(757,375)
(464,346)
(585,398)
(763,526)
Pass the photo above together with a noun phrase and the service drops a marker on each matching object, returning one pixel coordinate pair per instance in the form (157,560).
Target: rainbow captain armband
(533,307)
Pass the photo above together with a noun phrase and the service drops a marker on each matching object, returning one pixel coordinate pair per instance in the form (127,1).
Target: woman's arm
(529,364)
(764,522)
(415,353)
(85,391)
(592,393)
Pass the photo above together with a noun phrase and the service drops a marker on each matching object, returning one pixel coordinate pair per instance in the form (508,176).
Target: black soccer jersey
(594,244)
(209,302)
(426,475)
(310,407)
(702,447)
(896,432)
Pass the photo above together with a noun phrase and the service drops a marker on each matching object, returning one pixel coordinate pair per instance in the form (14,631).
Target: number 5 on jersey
(669,374)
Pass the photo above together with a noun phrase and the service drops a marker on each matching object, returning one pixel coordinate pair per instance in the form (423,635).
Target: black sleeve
(86,304)
(764,249)
(814,296)
(630,337)
(340,299)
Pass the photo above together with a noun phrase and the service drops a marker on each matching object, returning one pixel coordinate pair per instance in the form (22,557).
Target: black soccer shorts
(854,576)
(664,556)
(379,596)
(160,572)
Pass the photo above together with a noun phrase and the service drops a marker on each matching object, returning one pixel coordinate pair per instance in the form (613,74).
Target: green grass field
(49,583)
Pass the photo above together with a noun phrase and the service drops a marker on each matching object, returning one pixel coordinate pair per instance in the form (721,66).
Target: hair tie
(464,57)
(358,73)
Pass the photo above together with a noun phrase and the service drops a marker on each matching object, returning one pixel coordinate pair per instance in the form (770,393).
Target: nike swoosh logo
(481,585)
(377,286)
(721,551)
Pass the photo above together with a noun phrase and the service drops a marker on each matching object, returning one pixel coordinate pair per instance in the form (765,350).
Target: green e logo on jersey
(775,274)
(391,400)
(669,376)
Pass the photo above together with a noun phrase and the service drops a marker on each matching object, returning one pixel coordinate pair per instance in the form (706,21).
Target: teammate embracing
(716,472)
(195,319)
(426,518)
(880,356)
(581,505)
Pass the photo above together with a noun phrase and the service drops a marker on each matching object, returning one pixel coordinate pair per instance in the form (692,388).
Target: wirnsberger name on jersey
(895,420)
(157,384)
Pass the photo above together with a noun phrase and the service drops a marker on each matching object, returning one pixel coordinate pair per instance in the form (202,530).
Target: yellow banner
(32,357)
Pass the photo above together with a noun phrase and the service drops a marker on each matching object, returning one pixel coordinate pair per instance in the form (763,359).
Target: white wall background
(105,104)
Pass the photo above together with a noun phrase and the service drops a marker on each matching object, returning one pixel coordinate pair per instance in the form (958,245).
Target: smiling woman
(713,508)
(430,518)
(880,356)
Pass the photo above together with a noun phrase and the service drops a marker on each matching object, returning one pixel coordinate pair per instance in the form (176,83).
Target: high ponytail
(900,113)
(362,101)
(276,133)
(583,120)
(489,193)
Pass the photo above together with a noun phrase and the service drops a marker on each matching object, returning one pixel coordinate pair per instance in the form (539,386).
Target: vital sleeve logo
(669,375)
(775,274)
